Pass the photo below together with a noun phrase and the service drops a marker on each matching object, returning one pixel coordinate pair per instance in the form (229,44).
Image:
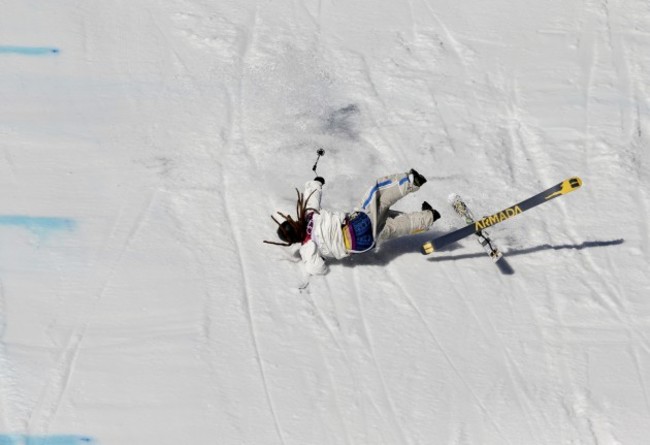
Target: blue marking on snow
(29,51)
(19,439)
(38,224)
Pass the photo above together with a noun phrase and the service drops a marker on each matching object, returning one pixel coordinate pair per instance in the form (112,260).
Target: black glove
(320,179)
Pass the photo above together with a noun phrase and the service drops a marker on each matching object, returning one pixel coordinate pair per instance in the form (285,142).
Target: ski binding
(482,236)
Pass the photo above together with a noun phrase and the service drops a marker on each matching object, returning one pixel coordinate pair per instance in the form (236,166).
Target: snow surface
(145,144)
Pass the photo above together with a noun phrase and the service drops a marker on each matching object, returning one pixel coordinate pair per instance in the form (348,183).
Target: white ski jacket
(325,237)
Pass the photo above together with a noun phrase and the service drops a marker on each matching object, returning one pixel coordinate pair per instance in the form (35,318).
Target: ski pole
(320,152)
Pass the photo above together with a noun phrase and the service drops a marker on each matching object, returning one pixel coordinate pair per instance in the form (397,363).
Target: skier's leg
(386,192)
(406,224)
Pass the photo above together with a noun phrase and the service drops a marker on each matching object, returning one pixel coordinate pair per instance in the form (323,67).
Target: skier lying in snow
(329,234)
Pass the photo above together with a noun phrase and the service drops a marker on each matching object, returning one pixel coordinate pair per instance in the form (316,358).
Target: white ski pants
(388,224)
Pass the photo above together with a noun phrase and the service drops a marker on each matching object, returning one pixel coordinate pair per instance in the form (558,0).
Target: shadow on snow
(390,250)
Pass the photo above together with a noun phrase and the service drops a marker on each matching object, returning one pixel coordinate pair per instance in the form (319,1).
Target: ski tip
(566,186)
(427,248)
(453,198)
(570,185)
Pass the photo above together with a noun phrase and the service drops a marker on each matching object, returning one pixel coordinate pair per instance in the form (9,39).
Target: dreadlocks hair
(294,230)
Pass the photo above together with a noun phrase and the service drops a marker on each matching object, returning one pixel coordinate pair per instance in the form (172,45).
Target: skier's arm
(313,262)
(313,191)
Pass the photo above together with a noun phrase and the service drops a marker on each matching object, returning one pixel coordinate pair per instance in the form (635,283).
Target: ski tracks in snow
(248,305)
(8,396)
(231,44)
(57,383)
(611,137)
(322,321)
(480,404)
(393,419)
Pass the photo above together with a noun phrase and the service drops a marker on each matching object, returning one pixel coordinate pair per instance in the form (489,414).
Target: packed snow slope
(144,145)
